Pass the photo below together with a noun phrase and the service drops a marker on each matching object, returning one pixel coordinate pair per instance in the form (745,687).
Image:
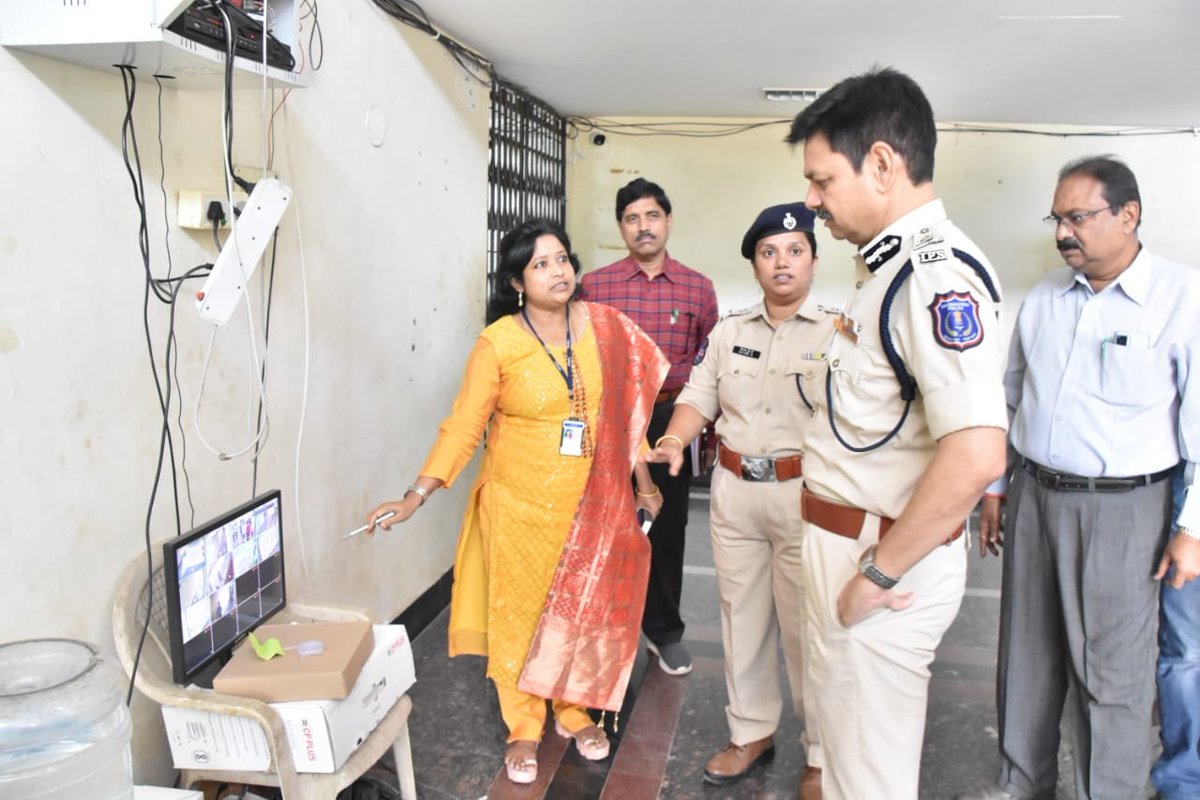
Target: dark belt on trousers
(751,468)
(845,520)
(1066,482)
(666,395)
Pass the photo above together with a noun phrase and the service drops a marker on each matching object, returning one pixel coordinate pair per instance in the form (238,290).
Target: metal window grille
(527,169)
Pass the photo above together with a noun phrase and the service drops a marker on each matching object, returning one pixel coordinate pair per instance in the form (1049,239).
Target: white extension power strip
(243,250)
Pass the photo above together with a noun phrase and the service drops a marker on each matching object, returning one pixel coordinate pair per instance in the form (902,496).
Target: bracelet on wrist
(640,493)
(1188,532)
(672,437)
(419,491)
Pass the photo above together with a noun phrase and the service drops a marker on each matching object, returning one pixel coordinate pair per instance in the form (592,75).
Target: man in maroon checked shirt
(677,307)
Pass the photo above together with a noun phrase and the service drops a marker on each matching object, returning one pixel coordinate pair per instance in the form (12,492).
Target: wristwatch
(866,565)
(420,491)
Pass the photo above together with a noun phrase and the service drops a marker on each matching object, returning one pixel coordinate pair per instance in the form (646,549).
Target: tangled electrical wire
(696,129)
(165,290)
(316,39)
(411,14)
(683,128)
(956,127)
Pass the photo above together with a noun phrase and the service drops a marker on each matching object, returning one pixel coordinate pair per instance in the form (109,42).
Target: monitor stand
(204,678)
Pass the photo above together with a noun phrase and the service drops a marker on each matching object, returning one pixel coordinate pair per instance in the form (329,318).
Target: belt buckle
(1048,478)
(758,469)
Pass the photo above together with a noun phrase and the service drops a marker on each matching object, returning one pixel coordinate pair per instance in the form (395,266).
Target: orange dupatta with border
(587,637)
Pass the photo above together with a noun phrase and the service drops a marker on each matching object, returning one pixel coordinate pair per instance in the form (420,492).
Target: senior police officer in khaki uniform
(908,431)
(760,365)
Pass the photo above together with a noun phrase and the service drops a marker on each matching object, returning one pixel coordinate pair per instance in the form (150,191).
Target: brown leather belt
(845,520)
(667,395)
(750,468)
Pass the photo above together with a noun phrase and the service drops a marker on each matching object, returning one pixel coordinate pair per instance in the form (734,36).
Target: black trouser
(661,621)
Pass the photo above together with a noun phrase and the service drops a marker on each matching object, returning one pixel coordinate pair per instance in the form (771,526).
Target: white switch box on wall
(193,207)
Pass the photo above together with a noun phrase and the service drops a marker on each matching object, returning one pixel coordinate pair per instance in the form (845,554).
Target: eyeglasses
(1074,219)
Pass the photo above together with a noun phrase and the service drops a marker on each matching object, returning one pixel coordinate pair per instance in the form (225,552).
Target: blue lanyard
(565,373)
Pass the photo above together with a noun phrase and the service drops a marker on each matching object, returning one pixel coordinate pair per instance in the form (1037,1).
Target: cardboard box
(321,733)
(328,676)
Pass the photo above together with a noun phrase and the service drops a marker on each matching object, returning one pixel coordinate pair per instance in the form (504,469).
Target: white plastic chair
(154,680)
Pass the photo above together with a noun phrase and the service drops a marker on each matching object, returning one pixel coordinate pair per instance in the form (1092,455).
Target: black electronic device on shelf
(223,579)
(202,22)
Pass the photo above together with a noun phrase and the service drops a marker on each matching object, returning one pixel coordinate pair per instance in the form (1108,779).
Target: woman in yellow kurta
(549,556)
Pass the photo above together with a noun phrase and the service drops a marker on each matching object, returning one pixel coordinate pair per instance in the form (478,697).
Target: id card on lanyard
(571,443)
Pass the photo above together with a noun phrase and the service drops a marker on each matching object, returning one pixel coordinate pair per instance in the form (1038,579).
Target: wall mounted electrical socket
(243,250)
(193,207)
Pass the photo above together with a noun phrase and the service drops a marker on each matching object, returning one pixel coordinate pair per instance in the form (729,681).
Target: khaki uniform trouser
(870,682)
(756,538)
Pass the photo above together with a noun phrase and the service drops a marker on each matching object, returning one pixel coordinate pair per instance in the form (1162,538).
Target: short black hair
(1120,184)
(516,251)
(881,105)
(638,188)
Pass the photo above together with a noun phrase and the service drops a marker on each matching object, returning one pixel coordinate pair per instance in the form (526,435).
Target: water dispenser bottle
(64,727)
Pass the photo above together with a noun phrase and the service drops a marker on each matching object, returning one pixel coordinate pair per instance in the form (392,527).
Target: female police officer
(760,365)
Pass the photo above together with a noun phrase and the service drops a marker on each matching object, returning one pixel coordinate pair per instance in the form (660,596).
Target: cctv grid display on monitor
(229,578)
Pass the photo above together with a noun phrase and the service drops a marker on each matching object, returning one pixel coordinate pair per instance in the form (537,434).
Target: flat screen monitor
(223,579)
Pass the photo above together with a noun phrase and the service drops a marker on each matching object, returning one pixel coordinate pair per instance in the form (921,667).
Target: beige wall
(996,186)
(394,243)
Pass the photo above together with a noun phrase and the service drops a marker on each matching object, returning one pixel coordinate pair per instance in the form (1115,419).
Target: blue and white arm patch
(956,322)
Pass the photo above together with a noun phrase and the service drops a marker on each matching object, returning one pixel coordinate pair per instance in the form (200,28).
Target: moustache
(1070,243)
(822,215)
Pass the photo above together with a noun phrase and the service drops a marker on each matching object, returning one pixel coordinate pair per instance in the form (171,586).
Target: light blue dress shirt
(1107,384)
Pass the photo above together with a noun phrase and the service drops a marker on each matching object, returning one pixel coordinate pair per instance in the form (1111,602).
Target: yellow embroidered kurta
(524,500)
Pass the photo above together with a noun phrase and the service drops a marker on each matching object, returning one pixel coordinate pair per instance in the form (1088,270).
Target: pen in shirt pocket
(1119,339)
(1134,340)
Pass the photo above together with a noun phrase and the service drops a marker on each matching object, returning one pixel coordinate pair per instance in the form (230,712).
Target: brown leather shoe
(736,761)
(810,784)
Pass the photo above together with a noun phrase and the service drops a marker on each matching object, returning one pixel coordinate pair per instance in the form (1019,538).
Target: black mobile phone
(645,519)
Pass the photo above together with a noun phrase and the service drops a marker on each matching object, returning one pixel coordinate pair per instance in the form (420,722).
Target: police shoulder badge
(927,237)
(877,254)
(956,324)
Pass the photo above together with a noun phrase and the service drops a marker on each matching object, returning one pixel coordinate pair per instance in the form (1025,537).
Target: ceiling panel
(1093,62)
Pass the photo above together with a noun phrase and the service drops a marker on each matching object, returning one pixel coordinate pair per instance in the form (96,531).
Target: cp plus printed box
(321,733)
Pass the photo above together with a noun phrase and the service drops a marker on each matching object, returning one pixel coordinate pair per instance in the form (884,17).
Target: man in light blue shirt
(1103,386)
